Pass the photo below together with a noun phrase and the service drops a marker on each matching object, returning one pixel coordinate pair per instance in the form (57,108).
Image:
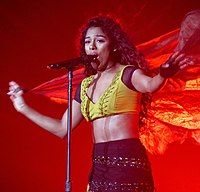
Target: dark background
(36,33)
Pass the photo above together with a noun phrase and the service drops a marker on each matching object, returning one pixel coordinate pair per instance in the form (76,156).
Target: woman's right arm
(55,126)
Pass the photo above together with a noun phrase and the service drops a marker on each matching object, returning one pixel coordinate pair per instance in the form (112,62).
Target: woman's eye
(86,42)
(101,40)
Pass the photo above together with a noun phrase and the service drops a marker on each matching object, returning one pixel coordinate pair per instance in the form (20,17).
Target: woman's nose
(92,46)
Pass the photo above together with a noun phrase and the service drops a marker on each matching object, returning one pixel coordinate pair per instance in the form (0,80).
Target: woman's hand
(16,93)
(175,63)
(181,60)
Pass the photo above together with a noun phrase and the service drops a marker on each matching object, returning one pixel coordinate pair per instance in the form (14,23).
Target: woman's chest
(98,88)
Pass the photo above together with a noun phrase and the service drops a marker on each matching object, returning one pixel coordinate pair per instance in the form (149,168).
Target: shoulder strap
(126,75)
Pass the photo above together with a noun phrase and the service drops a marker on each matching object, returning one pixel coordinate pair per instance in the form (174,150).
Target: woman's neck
(111,68)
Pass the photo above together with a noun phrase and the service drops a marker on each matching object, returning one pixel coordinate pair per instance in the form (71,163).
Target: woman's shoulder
(128,68)
(126,75)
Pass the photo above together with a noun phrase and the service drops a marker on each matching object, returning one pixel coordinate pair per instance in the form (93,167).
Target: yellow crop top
(117,98)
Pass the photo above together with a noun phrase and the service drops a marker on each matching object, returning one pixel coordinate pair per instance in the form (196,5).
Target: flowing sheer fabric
(173,113)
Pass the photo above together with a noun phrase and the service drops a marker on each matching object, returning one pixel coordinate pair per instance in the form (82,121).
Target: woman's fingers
(179,58)
(186,61)
(183,61)
(14,89)
(173,57)
(15,93)
(176,58)
(186,64)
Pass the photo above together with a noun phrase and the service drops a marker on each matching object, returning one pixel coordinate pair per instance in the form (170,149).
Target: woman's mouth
(93,58)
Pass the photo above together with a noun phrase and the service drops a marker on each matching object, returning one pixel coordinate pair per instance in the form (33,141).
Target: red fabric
(56,89)
(174,112)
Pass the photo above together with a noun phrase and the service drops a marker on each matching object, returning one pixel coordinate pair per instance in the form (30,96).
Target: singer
(110,98)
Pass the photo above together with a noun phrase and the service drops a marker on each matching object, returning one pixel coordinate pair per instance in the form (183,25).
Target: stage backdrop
(36,33)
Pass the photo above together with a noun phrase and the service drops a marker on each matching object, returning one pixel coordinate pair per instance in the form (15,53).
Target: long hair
(122,50)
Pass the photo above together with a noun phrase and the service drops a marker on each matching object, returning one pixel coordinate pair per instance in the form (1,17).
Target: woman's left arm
(146,84)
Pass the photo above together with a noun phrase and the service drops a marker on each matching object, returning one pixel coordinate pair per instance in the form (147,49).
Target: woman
(109,98)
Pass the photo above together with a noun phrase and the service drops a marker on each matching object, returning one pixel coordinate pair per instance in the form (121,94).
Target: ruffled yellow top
(117,98)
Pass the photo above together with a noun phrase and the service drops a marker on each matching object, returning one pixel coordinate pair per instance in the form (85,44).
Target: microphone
(74,63)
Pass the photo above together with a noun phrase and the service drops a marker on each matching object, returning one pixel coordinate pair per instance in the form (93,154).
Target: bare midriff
(115,127)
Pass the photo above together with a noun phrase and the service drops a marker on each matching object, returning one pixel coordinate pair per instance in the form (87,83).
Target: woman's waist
(103,137)
(116,127)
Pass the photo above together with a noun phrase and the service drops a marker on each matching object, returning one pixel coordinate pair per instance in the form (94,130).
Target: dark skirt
(120,165)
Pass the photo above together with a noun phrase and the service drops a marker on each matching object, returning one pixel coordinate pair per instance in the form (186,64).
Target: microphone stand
(69,126)
(70,65)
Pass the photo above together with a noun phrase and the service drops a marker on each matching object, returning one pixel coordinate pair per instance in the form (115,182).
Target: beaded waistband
(116,186)
(141,163)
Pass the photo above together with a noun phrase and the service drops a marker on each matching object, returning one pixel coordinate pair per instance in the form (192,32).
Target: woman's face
(97,43)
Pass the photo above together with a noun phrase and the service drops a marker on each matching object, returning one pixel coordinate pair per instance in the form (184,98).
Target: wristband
(168,69)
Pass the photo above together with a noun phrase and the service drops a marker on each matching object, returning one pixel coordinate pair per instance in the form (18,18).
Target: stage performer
(110,98)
